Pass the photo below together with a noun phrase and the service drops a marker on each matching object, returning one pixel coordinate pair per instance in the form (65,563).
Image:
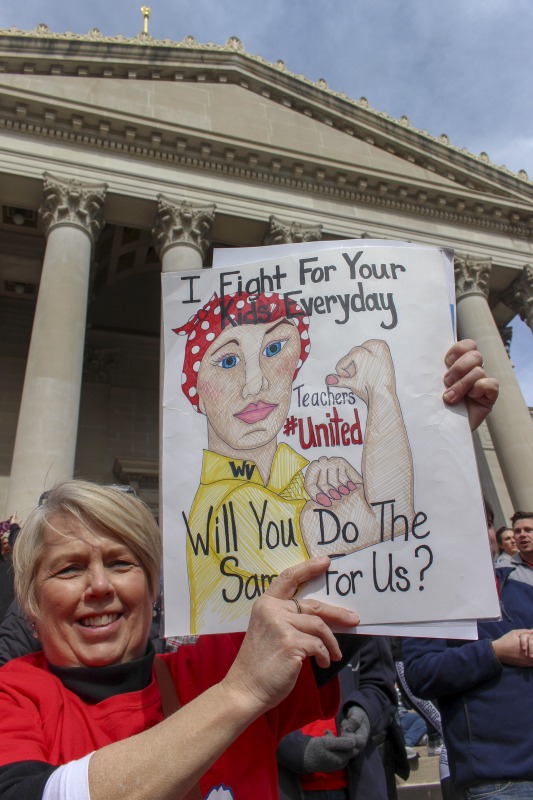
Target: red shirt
(41,720)
(323,781)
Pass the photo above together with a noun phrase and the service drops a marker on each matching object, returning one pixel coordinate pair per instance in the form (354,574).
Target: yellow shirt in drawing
(241,534)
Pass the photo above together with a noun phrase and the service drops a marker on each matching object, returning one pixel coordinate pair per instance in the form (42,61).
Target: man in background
(483,688)
(523,533)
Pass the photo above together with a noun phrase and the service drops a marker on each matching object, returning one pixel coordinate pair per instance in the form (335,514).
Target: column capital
(182,223)
(286,232)
(519,295)
(471,275)
(70,202)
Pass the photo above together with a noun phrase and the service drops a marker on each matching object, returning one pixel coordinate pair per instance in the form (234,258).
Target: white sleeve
(69,782)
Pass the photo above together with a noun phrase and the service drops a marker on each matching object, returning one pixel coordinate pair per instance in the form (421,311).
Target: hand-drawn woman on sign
(255,512)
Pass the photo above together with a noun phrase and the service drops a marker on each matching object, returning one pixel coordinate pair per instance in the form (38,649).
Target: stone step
(419,791)
(424,781)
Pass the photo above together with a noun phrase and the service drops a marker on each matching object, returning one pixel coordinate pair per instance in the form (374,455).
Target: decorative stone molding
(472,276)
(313,98)
(519,295)
(182,224)
(73,203)
(143,475)
(117,57)
(140,471)
(294,175)
(284,232)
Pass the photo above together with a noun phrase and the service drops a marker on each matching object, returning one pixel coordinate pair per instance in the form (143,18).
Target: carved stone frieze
(73,203)
(284,232)
(183,223)
(472,275)
(519,295)
(353,189)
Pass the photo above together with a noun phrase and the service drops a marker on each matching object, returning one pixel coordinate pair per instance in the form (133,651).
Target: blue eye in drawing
(273,348)
(229,361)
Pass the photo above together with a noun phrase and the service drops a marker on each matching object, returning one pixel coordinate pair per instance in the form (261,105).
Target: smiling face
(93,597)
(523,534)
(245,383)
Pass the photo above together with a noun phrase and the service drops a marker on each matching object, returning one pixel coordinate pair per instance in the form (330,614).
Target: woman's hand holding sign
(282,633)
(467,380)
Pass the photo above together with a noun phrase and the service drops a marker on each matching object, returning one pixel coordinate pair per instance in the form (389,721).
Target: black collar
(94,684)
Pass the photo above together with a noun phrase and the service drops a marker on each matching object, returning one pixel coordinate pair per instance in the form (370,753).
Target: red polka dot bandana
(235,309)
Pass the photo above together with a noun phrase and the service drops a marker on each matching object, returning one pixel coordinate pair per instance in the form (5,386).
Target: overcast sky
(460,67)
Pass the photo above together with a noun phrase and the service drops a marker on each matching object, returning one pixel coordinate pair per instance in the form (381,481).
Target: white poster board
(303,414)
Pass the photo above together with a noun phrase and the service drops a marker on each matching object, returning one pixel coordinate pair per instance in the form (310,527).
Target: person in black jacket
(483,691)
(368,705)
(16,635)
(9,529)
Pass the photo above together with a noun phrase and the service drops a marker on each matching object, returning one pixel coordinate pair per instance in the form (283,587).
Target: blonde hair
(120,514)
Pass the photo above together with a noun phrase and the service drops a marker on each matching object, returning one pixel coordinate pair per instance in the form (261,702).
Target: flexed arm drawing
(341,498)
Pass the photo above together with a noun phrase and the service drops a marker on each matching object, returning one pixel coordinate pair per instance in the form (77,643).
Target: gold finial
(146,14)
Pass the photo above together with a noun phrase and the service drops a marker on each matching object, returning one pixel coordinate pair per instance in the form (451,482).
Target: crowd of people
(94,705)
(482,687)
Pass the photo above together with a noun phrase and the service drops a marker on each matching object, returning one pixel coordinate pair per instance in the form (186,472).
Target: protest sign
(303,415)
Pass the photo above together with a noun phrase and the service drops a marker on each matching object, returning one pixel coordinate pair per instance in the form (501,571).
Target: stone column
(45,444)
(510,424)
(285,232)
(182,234)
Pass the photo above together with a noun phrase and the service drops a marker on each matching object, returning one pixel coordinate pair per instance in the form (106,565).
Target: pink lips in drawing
(255,412)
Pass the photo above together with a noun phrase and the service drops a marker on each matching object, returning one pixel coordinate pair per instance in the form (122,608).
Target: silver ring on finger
(298,606)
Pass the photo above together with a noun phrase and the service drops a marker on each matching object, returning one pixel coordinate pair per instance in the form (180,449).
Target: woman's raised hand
(467,380)
(282,634)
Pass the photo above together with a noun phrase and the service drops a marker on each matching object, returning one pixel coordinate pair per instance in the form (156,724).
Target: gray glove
(357,723)
(328,753)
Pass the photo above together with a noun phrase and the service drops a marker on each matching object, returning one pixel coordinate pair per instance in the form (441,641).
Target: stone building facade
(120,158)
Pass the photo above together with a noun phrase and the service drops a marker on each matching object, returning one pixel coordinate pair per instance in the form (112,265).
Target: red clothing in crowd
(41,720)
